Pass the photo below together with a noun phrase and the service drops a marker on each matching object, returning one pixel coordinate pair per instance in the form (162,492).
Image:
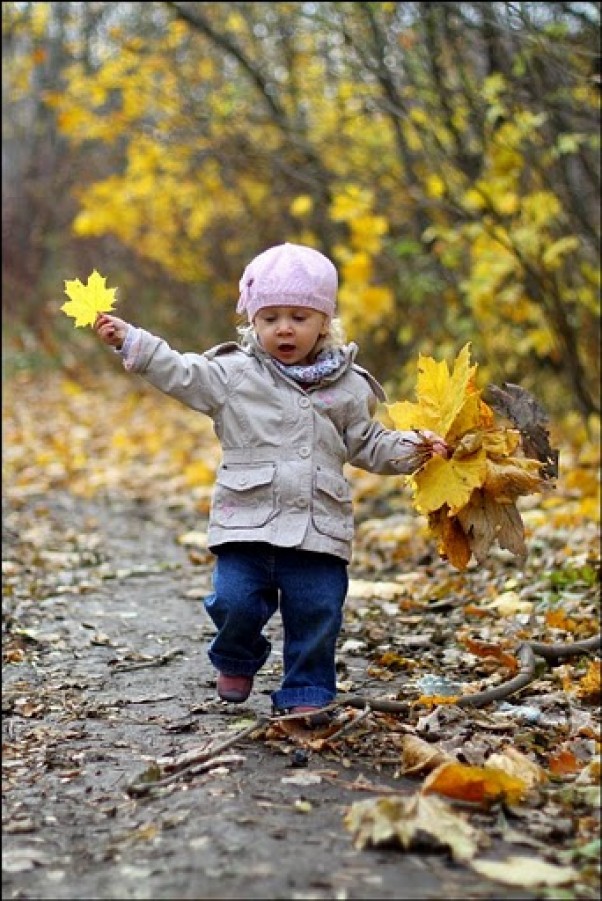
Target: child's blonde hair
(334,337)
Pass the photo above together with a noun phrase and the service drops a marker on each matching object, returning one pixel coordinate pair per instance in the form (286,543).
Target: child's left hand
(435,442)
(422,444)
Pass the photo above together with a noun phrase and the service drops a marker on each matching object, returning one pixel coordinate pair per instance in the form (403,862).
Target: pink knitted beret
(288,275)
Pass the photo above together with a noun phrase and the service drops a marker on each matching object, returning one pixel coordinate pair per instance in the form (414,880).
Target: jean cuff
(301,697)
(236,667)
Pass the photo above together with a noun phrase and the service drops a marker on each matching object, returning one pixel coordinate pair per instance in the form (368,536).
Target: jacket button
(304,451)
(301,502)
(242,481)
(304,402)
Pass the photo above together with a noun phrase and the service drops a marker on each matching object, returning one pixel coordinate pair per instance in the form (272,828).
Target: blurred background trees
(446,155)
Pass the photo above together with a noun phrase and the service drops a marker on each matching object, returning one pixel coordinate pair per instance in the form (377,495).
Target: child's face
(290,333)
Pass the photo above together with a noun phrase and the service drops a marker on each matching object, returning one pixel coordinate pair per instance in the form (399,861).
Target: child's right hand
(111,330)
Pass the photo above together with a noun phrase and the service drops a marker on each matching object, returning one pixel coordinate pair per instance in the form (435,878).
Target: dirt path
(103,587)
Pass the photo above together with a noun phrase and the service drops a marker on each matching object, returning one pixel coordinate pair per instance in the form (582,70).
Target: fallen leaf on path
(526,872)
(418,756)
(411,822)
(475,784)
(589,686)
(302,779)
(517,765)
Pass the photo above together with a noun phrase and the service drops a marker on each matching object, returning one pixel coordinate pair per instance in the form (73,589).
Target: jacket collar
(349,353)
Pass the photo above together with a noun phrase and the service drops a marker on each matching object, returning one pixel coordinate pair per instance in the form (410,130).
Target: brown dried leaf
(520,407)
(418,756)
(517,765)
(453,543)
(488,649)
(484,520)
(508,479)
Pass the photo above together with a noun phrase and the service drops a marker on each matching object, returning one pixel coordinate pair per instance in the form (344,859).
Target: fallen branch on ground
(527,652)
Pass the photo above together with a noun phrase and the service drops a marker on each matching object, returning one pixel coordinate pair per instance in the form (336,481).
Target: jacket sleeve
(200,381)
(373,447)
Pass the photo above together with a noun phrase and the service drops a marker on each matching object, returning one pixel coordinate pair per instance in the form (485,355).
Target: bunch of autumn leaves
(498,451)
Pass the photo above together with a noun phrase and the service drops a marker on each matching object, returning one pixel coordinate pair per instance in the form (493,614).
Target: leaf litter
(419,637)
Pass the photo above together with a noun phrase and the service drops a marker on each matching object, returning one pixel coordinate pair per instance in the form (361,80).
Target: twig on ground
(360,784)
(193,769)
(380,705)
(155,661)
(350,724)
(206,758)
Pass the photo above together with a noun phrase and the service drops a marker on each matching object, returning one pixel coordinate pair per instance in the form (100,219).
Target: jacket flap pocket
(243,478)
(333,485)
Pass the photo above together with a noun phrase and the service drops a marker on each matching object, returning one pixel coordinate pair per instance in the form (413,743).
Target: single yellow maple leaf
(441,395)
(473,414)
(449,482)
(497,443)
(407,821)
(87,301)
(501,442)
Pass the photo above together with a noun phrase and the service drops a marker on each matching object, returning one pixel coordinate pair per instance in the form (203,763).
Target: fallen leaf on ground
(418,756)
(526,872)
(475,784)
(411,822)
(515,764)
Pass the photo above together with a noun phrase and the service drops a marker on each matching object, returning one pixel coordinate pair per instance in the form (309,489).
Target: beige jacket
(281,477)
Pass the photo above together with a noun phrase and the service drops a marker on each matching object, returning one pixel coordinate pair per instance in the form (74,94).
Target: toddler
(290,406)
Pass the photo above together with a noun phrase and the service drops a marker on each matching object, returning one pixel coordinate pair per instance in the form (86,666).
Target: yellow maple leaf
(449,482)
(473,414)
(589,686)
(87,301)
(442,395)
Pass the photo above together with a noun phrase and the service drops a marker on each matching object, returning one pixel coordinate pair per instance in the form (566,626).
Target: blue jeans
(250,581)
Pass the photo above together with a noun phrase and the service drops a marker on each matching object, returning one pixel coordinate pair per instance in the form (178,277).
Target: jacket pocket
(244,496)
(332,510)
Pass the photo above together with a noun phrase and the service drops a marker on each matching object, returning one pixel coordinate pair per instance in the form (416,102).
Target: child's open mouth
(286,348)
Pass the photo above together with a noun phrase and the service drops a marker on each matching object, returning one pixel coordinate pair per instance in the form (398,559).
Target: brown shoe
(314,716)
(234,688)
